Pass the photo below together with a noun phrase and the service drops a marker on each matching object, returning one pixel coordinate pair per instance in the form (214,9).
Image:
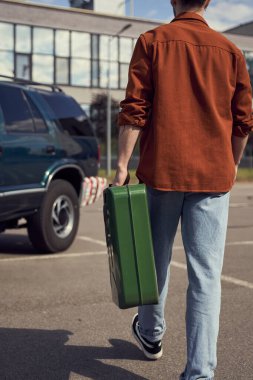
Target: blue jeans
(204,218)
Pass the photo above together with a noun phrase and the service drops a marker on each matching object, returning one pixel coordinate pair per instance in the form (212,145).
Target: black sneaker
(152,350)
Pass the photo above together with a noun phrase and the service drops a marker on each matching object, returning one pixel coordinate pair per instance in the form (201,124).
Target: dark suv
(47,149)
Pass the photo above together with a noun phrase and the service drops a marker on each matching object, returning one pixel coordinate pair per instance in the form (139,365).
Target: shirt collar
(190,16)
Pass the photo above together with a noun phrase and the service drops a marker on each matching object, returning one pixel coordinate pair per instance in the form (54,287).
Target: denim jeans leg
(204,226)
(165,209)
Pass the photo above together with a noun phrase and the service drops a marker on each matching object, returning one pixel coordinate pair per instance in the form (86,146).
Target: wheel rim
(63,216)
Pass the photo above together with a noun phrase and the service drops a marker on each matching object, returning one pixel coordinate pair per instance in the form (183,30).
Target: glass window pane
(126,49)
(23,39)
(71,116)
(62,43)
(43,40)
(6,63)
(105,50)
(123,75)
(62,70)
(23,69)
(6,33)
(40,124)
(43,68)
(113,74)
(80,72)
(95,73)
(80,45)
(95,46)
(20,120)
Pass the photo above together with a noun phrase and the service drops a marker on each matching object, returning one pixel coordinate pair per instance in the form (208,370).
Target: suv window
(70,115)
(16,114)
(40,124)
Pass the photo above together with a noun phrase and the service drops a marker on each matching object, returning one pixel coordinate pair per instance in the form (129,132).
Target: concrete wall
(116,7)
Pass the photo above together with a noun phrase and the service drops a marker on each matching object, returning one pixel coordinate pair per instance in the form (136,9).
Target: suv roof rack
(30,82)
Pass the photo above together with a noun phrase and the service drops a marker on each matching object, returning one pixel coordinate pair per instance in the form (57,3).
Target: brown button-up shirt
(189,91)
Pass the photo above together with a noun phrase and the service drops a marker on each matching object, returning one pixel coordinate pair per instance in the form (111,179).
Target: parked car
(47,150)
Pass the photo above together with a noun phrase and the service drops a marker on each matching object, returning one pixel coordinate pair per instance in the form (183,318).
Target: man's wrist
(122,166)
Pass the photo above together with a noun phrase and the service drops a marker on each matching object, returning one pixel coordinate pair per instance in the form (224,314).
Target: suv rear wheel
(54,227)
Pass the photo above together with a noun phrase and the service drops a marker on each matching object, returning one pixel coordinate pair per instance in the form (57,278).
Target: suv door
(28,149)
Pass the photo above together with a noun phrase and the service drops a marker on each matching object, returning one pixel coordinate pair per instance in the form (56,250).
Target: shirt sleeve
(242,102)
(136,107)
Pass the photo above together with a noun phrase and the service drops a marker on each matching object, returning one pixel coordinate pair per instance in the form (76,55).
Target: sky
(221,14)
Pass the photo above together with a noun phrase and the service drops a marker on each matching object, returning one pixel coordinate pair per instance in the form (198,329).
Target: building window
(109,57)
(124,67)
(23,66)
(6,49)
(62,70)
(43,41)
(23,39)
(105,49)
(80,45)
(62,52)
(95,60)
(6,63)
(7,36)
(62,43)
(43,68)
(114,74)
(95,46)
(126,49)
(42,59)
(80,72)
(95,73)
(65,57)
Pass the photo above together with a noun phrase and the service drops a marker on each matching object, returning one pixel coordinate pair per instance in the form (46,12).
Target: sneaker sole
(146,353)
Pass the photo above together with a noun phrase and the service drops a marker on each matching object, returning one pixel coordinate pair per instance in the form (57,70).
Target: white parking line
(177,247)
(224,278)
(70,255)
(238,205)
(240,243)
(176,264)
(86,238)
(52,256)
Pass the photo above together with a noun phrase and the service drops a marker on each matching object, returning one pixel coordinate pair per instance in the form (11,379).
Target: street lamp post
(109,104)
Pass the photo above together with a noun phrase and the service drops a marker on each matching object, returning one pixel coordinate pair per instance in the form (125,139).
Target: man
(189,99)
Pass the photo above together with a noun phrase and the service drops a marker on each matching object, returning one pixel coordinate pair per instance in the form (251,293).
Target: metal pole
(109,113)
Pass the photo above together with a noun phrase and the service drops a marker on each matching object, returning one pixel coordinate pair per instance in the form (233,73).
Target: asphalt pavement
(58,321)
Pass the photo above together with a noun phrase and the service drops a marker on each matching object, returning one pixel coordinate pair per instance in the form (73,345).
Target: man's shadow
(44,355)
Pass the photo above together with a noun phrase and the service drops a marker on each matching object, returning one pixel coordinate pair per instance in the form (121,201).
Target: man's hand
(120,176)
(128,135)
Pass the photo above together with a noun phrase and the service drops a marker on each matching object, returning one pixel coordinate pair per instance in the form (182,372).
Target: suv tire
(54,227)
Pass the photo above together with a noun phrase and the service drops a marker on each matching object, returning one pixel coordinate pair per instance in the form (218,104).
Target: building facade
(73,48)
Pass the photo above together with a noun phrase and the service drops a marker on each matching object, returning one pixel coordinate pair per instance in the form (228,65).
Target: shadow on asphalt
(42,355)
(16,244)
